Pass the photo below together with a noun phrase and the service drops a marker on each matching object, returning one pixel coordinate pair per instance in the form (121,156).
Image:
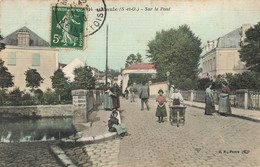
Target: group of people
(143,95)
(224,102)
(111,97)
(132,92)
(176,99)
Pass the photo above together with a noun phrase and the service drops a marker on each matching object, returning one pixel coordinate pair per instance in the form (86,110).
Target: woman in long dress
(115,97)
(161,109)
(224,102)
(209,99)
(108,103)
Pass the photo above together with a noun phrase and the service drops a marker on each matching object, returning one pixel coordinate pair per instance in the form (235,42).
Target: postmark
(74,21)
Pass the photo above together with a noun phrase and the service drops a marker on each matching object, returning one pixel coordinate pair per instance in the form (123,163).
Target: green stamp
(68,27)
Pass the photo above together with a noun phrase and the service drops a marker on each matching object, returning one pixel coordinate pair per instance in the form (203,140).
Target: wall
(155,87)
(228,61)
(209,64)
(38,111)
(48,64)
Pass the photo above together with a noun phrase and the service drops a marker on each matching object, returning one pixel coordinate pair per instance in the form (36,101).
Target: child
(113,120)
(161,109)
(115,126)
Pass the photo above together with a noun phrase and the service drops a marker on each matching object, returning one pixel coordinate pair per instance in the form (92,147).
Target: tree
(2,45)
(176,51)
(84,78)
(250,50)
(33,79)
(133,59)
(6,80)
(59,82)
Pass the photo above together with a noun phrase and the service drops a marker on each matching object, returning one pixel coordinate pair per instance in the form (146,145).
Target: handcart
(177,114)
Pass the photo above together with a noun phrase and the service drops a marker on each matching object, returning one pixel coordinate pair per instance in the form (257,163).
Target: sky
(130,31)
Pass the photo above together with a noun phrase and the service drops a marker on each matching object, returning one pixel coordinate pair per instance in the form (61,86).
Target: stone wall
(36,111)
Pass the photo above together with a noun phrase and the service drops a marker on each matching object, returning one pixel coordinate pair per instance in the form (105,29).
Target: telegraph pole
(106,53)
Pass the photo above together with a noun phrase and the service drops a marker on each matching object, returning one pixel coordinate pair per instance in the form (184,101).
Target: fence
(247,99)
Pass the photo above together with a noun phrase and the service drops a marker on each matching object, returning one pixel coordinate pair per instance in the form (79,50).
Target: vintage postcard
(130,83)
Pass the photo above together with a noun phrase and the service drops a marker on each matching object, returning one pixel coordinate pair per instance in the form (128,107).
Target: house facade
(24,50)
(222,55)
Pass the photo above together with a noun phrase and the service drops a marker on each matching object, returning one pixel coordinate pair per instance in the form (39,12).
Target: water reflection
(40,129)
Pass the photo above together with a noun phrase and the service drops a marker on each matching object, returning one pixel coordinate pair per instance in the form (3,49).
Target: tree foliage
(84,78)
(177,51)
(250,51)
(133,59)
(246,80)
(59,82)
(2,45)
(33,78)
(6,78)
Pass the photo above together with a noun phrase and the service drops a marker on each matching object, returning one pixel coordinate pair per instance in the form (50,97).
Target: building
(24,50)
(139,68)
(222,55)
(68,69)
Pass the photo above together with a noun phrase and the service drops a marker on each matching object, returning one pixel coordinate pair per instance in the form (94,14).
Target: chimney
(215,42)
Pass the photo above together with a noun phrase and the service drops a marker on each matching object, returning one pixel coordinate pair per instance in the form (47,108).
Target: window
(36,60)
(23,38)
(12,59)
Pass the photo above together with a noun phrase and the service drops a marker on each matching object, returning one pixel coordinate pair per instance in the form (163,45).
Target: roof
(143,66)
(35,40)
(230,40)
(158,83)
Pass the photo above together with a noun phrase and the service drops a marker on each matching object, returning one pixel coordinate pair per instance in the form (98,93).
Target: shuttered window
(36,59)
(12,59)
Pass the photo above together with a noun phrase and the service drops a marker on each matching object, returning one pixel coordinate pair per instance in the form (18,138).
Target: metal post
(106,53)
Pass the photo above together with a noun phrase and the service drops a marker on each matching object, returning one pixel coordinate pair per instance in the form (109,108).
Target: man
(132,92)
(144,96)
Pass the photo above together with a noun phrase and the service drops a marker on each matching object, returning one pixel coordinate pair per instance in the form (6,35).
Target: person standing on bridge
(108,103)
(144,96)
(161,109)
(115,97)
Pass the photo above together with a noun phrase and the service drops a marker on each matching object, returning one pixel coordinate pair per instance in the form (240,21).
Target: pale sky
(129,32)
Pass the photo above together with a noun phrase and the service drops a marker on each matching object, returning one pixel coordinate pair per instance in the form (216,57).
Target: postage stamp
(68,27)
(73,21)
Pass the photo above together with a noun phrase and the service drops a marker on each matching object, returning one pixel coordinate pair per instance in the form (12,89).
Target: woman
(115,97)
(176,97)
(161,109)
(108,104)
(209,99)
(224,103)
